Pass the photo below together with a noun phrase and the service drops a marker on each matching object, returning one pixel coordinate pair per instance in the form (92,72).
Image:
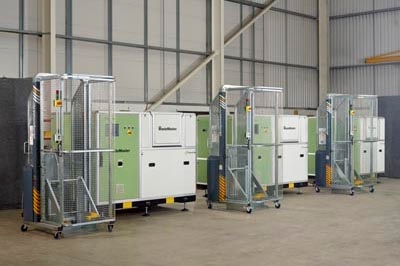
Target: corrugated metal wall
(280,50)
(360,29)
(150,43)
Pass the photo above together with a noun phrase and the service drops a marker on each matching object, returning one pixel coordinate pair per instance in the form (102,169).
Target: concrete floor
(309,229)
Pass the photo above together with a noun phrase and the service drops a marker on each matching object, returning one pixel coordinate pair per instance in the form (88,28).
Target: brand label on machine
(289,128)
(166,128)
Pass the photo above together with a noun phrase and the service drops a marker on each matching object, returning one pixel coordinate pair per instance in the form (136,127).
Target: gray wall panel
(351,40)
(353,80)
(340,7)
(128,21)
(302,88)
(129,73)
(302,41)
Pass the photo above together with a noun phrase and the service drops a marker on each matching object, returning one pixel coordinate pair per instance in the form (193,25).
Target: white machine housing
(294,139)
(167,155)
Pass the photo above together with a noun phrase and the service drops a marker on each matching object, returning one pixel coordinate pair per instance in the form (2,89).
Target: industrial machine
(246,173)
(61,187)
(154,160)
(348,140)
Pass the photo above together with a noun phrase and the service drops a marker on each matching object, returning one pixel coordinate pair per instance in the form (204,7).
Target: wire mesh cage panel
(251,159)
(348,132)
(68,150)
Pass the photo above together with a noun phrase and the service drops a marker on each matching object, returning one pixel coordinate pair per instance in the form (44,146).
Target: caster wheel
(351,193)
(249,209)
(277,205)
(371,189)
(57,235)
(110,227)
(317,189)
(24,228)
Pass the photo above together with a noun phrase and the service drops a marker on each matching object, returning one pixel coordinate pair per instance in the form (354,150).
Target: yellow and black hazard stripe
(222,189)
(36,201)
(328,175)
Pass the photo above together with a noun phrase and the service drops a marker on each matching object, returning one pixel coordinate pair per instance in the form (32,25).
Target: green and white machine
(154,160)
(349,141)
(293,139)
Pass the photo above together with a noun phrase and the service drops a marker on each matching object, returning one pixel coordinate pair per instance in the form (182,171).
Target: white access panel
(190,126)
(167,129)
(295,163)
(380,154)
(381,135)
(365,158)
(146,130)
(303,124)
(167,173)
(289,128)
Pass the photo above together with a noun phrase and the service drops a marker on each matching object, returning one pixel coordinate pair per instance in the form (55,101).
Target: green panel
(126,157)
(312,144)
(262,156)
(202,148)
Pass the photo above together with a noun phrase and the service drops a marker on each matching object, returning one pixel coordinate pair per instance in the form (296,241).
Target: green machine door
(312,144)
(126,156)
(262,159)
(203,124)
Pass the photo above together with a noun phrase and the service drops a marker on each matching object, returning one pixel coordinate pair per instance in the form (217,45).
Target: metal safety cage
(249,164)
(347,139)
(67,153)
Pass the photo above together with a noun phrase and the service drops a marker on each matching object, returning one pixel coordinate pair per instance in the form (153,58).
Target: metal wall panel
(128,21)
(381,4)
(89,18)
(340,7)
(231,25)
(275,76)
(32,55)
(32,15)
(259,38)
(90,58)
(351,40)
(387,32)
(387,81)
(275,37)
(60,55)
(9,14)
(358,80)
(193,24)
(129,72)
(232,72)
(247,74)
(60,17)
(9,54)
(308,7)
(194,91)
(259,75)
(162,73)
(302,88)
(302,41)
(162,23)
(247,35)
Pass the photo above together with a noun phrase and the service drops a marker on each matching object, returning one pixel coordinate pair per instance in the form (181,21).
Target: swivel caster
(277,205)
(371,189)
(249,209)
(110,227)
(317,189)
(24,228)
(57,235)
(351,193)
